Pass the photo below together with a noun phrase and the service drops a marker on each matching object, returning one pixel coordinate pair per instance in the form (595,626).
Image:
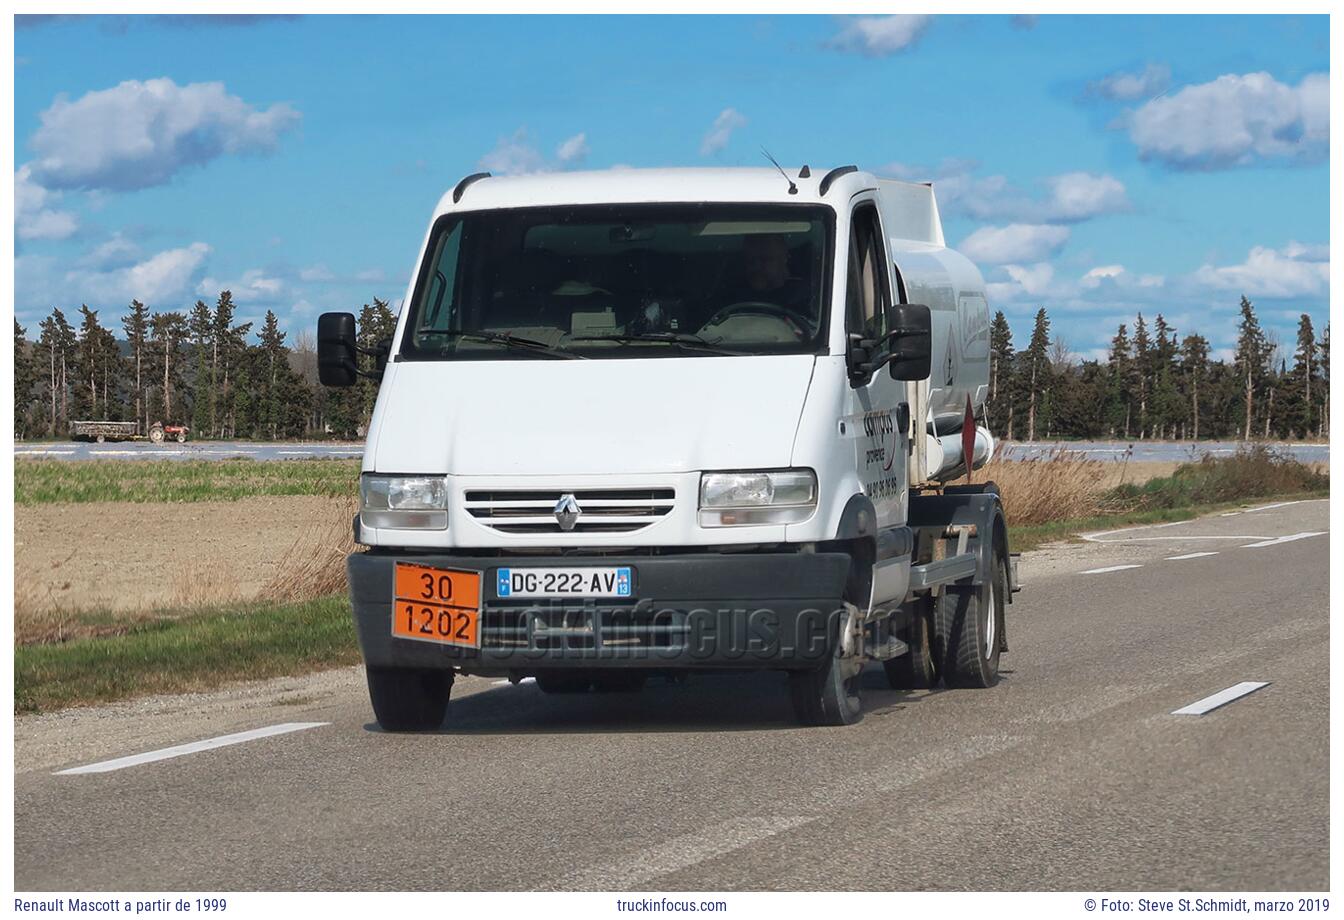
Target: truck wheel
(619,681)
(564,681)
(917,669)
(156,435)
(967,623)
(828,694)
(409,699)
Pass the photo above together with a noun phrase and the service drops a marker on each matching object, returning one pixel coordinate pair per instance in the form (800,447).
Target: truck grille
(601,510)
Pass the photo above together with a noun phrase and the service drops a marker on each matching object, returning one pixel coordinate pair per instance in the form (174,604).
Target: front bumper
(697,610)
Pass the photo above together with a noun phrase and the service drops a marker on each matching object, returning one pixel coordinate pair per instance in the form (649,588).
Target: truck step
(890,648)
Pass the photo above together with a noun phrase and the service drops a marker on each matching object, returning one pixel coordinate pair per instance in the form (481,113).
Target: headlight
(403,502)
(757,497)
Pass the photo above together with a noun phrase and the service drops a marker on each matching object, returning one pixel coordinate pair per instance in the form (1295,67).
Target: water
(1160,451)
(1168,451)
(203,450)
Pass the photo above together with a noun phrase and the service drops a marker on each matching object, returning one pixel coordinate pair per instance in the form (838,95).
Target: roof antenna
(793,189)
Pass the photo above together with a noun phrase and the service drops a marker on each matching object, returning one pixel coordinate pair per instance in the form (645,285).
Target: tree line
(1154,383)
(204,369)
(200,367)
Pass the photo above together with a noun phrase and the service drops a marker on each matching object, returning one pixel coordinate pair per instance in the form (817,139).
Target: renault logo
(567,511)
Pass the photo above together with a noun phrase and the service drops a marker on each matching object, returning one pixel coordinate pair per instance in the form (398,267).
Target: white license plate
(579,581)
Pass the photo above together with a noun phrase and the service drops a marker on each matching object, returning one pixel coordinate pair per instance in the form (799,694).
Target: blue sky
(1096,166)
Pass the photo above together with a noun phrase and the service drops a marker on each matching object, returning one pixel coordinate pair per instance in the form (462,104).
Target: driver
(767,273)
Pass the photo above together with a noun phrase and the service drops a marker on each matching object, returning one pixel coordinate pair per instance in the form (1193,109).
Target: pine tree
(1300,413)
(1251,359)
(57,343)
(1036,370)
(1001,371)
(201,330)
(274,364)
(1194,368)
(93,359)
(136,326)
(1167,404)
(228,352)
(376,325)
(1323,361)
(25,380)
(1142,375)
(168,330)
(1119,398)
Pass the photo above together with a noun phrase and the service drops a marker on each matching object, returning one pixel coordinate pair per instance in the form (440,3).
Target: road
(1071,774)
(1155,451)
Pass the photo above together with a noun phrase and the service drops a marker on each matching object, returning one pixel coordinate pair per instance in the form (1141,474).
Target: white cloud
(140,134)
(318,272)
(1235,120)
(1016,243)
(1128,87)
(254,287)
(162,280)
(1296,270)
(573,150)
(1033,279)
(369,274)
(1095,276)
(1079,195)
(115,252)
(1065,198)
(880,36)
(34,219)
(728,121)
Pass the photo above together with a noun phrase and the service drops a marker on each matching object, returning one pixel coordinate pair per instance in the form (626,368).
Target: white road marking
(525,680)
(1110,568)
(1300,501)
(1221,698)
(1190,556)
(121,763)
(1289,538)
(677,853)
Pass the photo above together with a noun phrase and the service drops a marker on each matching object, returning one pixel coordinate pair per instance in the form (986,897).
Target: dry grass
(315,565)
(1057,487)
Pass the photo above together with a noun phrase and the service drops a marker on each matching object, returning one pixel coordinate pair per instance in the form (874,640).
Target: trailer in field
(101,431)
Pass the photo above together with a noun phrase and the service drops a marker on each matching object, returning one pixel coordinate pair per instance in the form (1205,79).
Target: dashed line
(180,750)
(1110,568)
(1289,538)
(1190,556)
(1221,698)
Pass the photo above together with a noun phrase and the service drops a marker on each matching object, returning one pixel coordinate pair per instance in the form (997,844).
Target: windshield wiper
(509,341)
(683,339)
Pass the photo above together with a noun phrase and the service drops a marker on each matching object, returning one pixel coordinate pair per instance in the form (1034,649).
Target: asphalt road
(1071,774)
(192,450)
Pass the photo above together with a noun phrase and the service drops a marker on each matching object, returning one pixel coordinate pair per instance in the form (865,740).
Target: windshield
(622,281)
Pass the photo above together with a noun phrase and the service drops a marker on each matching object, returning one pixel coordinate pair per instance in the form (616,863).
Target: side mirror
(910,335)
(336,350)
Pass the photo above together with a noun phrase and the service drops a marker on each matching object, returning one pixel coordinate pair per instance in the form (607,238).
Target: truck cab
(653,422)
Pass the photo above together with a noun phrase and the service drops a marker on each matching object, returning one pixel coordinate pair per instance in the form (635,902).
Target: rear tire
(917,669)
(564,682)
(156,435)
(967,627)
(181,437)
(409,699)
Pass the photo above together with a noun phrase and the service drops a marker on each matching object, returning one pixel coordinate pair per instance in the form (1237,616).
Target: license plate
(605,581)
(432,604)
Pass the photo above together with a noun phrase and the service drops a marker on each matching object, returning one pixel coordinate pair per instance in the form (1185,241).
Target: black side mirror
(910,335)
(336,350)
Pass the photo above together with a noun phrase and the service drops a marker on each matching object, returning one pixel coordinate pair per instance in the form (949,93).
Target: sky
(1096,166)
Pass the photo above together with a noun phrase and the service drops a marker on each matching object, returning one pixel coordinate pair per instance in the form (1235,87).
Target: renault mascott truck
(659,422)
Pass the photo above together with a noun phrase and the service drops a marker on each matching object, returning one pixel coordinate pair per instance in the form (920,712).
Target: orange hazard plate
(436,605)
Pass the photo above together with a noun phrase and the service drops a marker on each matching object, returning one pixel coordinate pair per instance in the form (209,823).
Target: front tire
(409,699)
(829,693)
(968,626)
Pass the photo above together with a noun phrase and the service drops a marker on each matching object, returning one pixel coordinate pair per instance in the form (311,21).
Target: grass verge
(43,481)
(1033,536)
(199,651)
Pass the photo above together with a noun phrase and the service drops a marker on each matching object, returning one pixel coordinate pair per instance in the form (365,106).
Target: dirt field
(128,558)
(134,558)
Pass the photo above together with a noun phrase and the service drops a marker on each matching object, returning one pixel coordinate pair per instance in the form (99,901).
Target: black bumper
(702,610)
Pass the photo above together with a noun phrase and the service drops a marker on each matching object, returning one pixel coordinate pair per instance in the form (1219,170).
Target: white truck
(643,422)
